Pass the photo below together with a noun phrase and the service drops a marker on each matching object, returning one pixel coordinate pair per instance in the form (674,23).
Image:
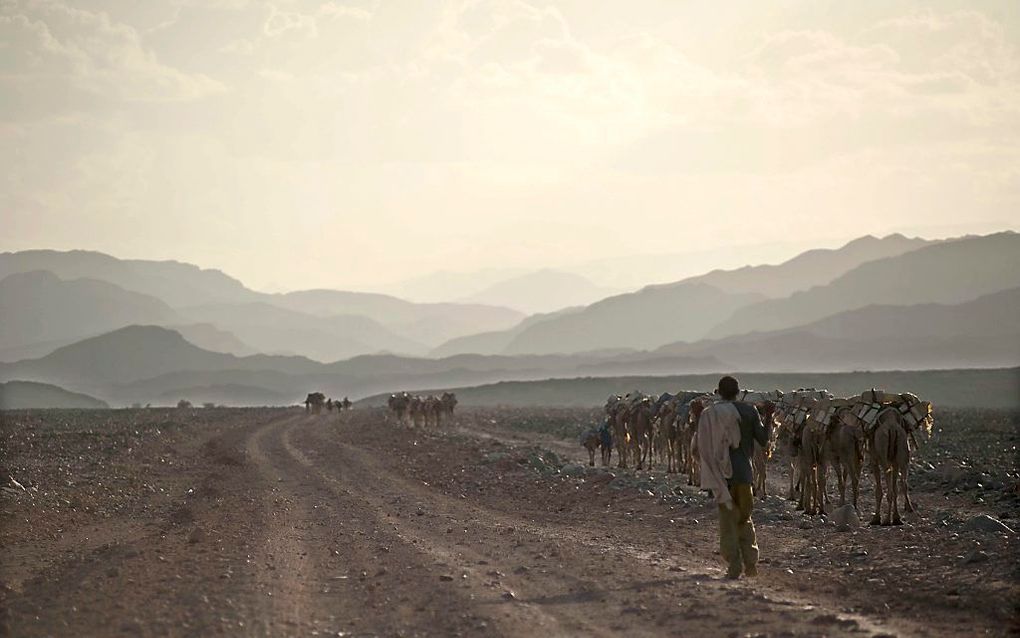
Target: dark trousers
(737,542)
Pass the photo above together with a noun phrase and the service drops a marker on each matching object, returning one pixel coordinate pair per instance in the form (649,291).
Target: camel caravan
(315,401)
(414,410)
(817,431)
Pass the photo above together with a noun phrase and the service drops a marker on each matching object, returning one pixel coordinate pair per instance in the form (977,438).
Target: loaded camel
(314,402)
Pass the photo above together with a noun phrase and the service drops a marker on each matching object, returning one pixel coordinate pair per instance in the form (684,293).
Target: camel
(616,412)
(846,440)
(761,455)
(668,432)
(690,440)
(314,402)
(431,410)
(416,409)
(449,400)
(813,457)
(606,442)
(400,405)
(639,423)
(591,441)
(890,458)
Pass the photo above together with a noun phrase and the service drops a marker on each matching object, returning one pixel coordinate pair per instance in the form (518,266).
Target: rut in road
(337,564)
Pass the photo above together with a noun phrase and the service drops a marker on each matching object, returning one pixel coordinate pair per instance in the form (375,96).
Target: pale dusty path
(292,525)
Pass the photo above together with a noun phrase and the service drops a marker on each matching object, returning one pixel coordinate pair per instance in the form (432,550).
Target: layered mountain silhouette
(541,291)
(685,310)
(107,293)
(24,395)
(274,330)
(176,284)
(37,307)
(908,305)
(948,272)
(979,333)
(811,268)
(643,319)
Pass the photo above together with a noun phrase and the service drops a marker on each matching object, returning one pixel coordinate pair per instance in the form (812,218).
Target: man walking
(726,434)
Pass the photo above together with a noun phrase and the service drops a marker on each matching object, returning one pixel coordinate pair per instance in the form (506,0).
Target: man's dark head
(728,388)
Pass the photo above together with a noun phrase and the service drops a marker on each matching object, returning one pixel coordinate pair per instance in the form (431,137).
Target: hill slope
(137,352)
(541,291)
(176,283)
(271,329)
(644,319)
(947,273)
(181,285)
(28,395)
(980,333)
(811,268)
(38,307)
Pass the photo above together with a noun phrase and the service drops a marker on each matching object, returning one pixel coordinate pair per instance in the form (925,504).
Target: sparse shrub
(183,404)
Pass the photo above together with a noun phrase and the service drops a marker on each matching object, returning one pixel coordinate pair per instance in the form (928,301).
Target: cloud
(54,51)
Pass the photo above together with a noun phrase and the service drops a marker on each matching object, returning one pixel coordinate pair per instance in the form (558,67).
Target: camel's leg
(591,456)
(907,504)
(877,518)
(806,491)
(793,474)
(822,471)
(855,481)
(841,476)
(894,500)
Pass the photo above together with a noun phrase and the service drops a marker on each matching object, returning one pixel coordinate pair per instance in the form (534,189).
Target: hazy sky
(299,144)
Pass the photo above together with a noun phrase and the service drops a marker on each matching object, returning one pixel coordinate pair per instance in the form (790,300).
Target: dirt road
(279,523)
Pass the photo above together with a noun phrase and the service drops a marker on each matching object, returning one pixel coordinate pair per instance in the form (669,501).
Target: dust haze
(509,318)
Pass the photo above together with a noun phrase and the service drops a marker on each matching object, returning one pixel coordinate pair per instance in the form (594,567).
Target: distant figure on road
(726,435)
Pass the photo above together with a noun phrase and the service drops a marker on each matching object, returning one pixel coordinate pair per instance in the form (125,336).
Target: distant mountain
(644,319)
(444,285)
(494,342)
(177,284)
(38,307)
(181,285)
(209,337)
(275,330)
(683,310)
(949,272)
(136,352)
(811,268)
(980,333)
(541,291)
(25,395)
(424,323)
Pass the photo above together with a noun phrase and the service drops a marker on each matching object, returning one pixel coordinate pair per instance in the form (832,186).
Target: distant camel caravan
(815,430)
(315,401)
(414,410)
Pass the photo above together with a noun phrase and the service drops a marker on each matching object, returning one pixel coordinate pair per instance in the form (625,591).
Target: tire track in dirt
(477,573)
(573,548)
(372,580)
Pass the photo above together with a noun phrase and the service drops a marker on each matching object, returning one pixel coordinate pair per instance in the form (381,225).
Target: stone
(985,523)
(573,470)
(846,518)
(974,556)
